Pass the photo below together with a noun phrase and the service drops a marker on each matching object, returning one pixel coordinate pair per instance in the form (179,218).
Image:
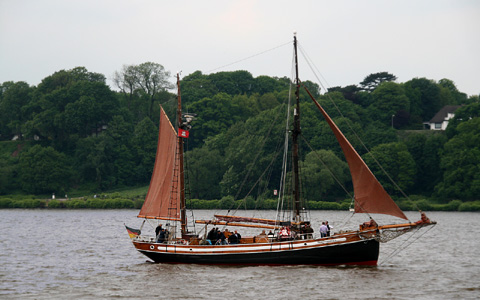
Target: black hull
(364,252)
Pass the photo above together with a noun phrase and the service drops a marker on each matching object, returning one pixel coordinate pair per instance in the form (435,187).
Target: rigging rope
(254,163)
(402,247)
(310,63)
(281,194)
(249,57)
(325,165)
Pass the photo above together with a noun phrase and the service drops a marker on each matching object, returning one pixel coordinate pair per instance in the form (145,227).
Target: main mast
(183,209)
(296,132)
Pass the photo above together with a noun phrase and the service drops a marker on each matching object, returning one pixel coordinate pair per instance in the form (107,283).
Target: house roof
(442,114)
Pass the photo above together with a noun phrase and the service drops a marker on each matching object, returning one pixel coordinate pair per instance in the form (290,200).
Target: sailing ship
(292,242)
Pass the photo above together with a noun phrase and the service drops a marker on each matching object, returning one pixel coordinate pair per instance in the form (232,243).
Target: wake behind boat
(291,240)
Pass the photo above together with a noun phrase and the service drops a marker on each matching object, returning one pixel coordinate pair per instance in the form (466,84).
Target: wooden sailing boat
(293,242)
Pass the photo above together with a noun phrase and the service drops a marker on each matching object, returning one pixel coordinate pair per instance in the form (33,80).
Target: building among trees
(441,118)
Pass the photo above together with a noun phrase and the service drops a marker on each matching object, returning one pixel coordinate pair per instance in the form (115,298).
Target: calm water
(86,254)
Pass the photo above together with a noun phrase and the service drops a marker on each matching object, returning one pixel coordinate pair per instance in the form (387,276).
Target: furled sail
(246,219)
(163,197)
(370,196)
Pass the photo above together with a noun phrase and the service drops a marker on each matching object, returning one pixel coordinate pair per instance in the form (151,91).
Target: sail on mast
(370,196)
(163,198)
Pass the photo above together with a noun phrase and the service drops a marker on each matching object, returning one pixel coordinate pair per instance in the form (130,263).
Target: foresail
(162,201)
(370,196)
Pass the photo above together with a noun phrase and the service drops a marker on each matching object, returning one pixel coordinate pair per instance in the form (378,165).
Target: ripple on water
(86,254)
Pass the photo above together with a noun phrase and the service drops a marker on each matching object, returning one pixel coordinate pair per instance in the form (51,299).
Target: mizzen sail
(370,196)
(163,197)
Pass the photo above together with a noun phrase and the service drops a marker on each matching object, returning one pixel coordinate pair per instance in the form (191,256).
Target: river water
(86,254)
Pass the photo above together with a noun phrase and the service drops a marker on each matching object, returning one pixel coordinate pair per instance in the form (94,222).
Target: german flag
(133,232)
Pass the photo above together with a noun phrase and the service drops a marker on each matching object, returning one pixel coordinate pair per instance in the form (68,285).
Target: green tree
(388,99)
(91,161)
(233,83)
(205,170)
(462,114)
(107,159)
(8,174)
(118,150)
(215,115)
(265,84)
(398,164)
(44,170)
(350,92)
(250,154)
(13,97)
(372,81)
(68,96)
(320,171)
(430,173)
(424,96)
(144,143)
(458,97)
(149,79)
(461,163)
(195,87)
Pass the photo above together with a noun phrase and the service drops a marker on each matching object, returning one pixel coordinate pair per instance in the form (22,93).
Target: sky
(344,40)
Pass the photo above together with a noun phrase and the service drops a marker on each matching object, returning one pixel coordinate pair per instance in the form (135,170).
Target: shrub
(5,203)
(75,204)
(94,203)
(423,205)
(453,205)
(28,203)
(54,204)
(324,205)
(227,202)
(138,203)
(470,206)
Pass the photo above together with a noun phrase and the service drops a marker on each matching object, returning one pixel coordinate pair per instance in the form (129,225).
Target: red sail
(370,196)
(163,197)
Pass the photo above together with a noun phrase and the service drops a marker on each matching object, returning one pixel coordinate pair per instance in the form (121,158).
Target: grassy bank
(133,199)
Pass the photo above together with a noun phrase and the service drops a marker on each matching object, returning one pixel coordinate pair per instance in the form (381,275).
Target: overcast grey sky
(346,40)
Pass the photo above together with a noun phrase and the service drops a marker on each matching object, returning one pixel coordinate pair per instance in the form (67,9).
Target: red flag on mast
(183,133)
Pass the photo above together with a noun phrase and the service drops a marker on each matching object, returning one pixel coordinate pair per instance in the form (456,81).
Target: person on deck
(323,230)
(221,240)
(234,238)
(328,228)
(157,231)
(162,234)
(238,236)
(285,233)
(212,235)
(424,219)
(308,231)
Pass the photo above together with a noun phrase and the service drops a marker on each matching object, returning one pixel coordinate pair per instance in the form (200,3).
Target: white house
(440,120)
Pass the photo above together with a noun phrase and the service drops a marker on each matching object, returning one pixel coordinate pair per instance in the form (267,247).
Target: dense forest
(73,132)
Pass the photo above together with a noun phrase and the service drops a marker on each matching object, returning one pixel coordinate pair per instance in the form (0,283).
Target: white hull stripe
(238,249)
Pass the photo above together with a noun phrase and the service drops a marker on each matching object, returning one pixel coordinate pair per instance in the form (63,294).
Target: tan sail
(370,196)
(163,197)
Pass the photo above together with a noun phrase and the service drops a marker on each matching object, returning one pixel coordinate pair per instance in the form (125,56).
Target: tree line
(74,132)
